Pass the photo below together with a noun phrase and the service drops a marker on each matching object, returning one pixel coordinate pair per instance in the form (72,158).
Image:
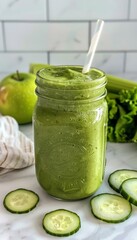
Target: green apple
(17,96)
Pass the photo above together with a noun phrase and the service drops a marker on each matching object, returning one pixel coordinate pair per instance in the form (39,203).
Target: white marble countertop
(29,226)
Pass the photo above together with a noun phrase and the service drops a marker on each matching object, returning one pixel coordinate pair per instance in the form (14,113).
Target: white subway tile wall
(60,31)
(23,10)
(46,36)
(11,62)
(1,37)
(133,10)
(131,62)
(88,9)
(102,60)
(118,36)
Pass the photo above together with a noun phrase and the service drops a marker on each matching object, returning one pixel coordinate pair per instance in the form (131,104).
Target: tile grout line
(89,33)
(67,21)
(47,10)
(129,8)
(3,36)
(124,61)
(48,57)
(125,53)
(66,51)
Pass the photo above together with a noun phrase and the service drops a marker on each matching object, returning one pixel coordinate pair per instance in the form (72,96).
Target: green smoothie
(70,122)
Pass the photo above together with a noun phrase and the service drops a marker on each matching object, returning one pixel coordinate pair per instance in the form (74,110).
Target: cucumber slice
(128,190)
(61,223)
(116,178)
(110,208)
(20,200)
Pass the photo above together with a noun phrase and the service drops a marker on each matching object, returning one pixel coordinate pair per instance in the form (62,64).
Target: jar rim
(71,101)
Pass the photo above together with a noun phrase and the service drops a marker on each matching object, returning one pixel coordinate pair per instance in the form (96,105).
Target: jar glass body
(70,138)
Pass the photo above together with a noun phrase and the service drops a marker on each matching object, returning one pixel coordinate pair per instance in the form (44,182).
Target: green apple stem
(18,76)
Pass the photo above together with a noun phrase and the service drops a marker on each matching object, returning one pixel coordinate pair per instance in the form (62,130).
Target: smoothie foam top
(70,75)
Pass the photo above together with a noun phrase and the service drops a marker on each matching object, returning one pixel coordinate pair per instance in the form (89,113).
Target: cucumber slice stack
(113,208)
(118,177)
(61,223)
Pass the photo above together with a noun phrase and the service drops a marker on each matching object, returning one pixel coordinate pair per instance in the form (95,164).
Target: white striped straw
(93,46)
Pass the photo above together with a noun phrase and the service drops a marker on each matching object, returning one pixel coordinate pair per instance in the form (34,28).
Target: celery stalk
(113,95)
(116,84)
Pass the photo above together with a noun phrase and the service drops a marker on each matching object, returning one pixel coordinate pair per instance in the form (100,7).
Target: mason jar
(70,131)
